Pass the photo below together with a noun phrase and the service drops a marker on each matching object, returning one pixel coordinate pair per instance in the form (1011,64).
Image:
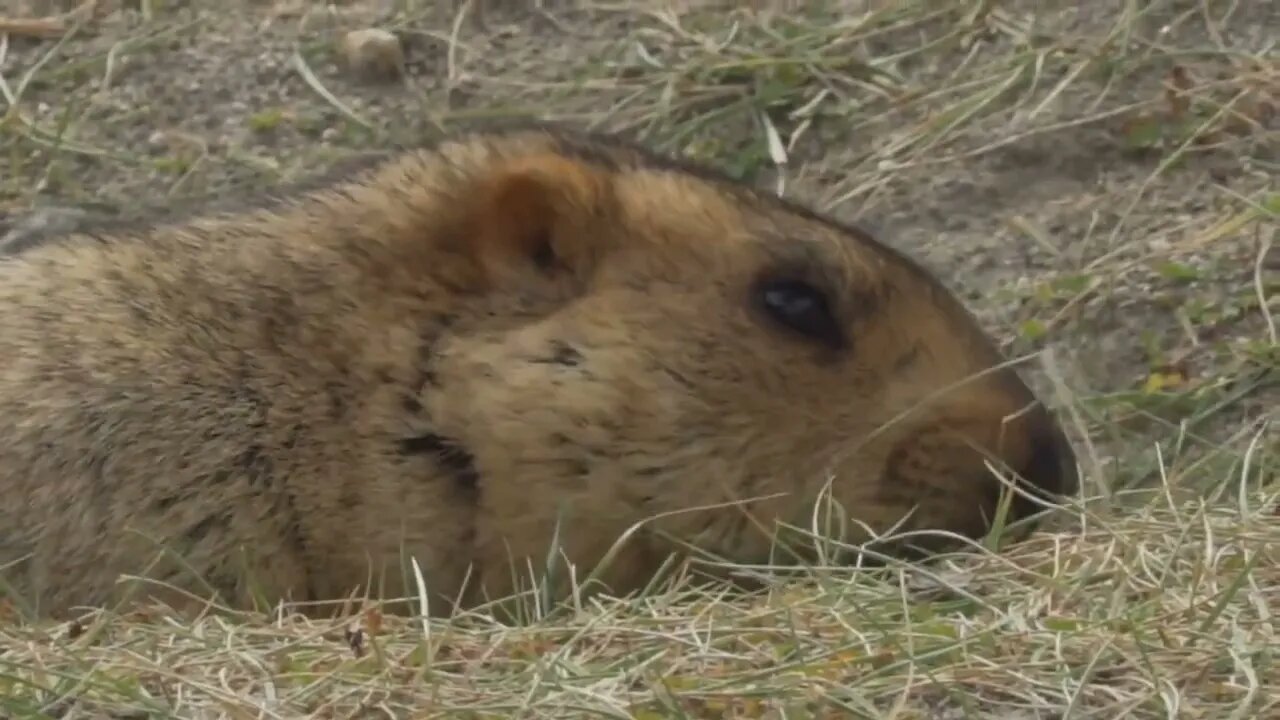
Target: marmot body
(471,349)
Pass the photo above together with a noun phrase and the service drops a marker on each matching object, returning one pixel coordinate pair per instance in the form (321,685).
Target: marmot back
(472,349)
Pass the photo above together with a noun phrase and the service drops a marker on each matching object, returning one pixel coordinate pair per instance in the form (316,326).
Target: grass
(1128,152)
(1160,610)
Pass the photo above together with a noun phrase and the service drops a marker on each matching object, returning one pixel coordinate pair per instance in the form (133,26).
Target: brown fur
(450,354)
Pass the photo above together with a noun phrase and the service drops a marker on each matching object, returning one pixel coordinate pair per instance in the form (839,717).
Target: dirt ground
(1030,152)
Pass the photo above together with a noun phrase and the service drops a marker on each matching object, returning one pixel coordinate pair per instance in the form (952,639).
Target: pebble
(373,55)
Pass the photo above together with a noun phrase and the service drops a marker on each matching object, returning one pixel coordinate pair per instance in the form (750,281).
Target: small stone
(158,140)
(372,54)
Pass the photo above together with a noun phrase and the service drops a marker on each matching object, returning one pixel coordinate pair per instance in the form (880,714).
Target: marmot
(466,350)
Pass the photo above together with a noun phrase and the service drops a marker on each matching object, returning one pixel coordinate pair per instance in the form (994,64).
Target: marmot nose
(1051,466)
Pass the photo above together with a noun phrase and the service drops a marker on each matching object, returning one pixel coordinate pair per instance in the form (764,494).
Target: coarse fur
(467,350)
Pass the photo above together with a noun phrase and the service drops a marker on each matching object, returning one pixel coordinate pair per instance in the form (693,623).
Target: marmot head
(643,340)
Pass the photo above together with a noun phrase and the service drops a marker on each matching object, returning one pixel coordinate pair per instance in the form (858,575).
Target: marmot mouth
(449,454)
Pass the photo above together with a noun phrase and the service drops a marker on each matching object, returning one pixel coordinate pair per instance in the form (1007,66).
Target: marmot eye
(802,308)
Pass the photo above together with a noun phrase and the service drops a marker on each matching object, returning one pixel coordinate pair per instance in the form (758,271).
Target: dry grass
(1125,155)
(1162,611)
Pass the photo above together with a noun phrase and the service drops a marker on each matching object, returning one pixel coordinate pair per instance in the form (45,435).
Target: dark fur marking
(198,532)
(680,379)
(166,502)
(457,461)
(257,467)
(429,379)
(431,333)
(337,400)
(901,478)
(907,359)
(562,353)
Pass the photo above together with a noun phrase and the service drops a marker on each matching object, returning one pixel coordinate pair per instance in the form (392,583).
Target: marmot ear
(539,213)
